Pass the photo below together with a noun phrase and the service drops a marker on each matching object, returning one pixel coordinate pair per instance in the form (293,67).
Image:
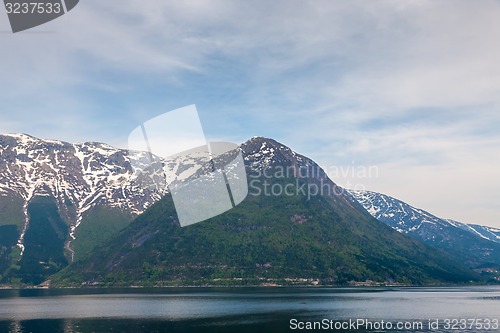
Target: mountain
(295,227)
(489,233)
(59,200)
(477,246)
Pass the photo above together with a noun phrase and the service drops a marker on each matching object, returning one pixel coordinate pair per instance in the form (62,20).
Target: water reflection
(232,310)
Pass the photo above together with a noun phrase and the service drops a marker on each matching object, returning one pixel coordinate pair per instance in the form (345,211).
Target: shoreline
(137,287)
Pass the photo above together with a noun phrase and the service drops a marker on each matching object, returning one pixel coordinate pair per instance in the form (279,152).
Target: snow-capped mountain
(489,233)
(477,243)
(261,153)
(84,175)
(58,200)
(296,228)
(82,194)
(80,178)
(267,154)
(408,219)
(400,215)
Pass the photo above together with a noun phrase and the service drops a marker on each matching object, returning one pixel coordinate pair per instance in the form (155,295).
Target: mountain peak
(264,152)
(259,143)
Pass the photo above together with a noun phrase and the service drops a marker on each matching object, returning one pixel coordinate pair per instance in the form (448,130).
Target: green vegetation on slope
(266,238)
(11,211)
(11,222)
(44,242)
(98,226)
(8,238)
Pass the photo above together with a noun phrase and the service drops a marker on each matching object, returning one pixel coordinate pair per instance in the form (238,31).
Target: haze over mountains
(62,203)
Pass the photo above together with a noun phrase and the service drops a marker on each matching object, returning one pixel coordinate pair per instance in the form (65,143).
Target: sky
(399,97)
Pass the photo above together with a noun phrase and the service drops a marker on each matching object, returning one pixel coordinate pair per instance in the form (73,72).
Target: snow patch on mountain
(84,175)
(489,233)
(408,219)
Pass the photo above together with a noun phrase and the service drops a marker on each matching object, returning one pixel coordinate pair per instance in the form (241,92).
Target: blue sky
(410,87)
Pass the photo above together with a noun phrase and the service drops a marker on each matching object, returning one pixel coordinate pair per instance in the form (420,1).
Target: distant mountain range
(478,246)
(87,206)
(489,233)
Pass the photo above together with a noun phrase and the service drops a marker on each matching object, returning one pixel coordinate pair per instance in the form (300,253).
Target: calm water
(253,310)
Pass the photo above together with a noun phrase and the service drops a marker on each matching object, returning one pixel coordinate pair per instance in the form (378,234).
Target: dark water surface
(256,310)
